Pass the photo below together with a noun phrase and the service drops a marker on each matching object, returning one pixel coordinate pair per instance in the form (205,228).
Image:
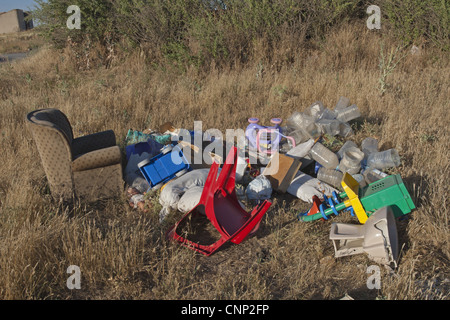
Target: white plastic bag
(172,192)
(304,187)
(190,199)
(259,189)
(301,150)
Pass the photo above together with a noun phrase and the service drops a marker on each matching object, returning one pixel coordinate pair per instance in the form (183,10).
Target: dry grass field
(122,253)
(20,42)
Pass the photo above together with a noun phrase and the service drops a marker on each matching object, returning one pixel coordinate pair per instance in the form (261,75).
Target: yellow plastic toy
(351,187)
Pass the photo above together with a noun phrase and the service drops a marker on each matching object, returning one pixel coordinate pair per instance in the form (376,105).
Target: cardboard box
(281,170)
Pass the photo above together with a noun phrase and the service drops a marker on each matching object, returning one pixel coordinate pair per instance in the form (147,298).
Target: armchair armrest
(93,142)
(97,159)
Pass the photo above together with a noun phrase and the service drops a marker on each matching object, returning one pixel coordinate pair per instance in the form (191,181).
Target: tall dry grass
(122,253)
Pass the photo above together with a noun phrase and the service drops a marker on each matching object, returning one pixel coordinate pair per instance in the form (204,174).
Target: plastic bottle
(372,175)
(351,160)
(349,113)
(330,176)
(295,121)
(383,159)
(324,156)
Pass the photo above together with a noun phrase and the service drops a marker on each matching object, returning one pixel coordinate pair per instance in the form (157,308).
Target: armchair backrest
(53,135)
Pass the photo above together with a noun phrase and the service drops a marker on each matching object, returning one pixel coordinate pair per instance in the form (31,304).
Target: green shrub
(52,16)
(416,20)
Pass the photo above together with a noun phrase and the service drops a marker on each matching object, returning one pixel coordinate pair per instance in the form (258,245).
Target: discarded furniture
(377,237)
(87,167)
(222,208)
(389,191)
(169,164)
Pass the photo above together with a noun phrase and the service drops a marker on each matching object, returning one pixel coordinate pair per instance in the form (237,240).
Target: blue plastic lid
(253,120)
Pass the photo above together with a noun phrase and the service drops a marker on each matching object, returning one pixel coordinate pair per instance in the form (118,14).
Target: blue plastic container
(170,163)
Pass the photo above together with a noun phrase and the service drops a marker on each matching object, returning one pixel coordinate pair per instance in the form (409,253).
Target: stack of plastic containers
(304,122)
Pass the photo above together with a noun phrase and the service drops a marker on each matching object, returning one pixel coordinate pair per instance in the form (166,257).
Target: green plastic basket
(389,191)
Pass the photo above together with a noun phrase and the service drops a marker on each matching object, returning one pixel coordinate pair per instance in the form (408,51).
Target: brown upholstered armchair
(88,167)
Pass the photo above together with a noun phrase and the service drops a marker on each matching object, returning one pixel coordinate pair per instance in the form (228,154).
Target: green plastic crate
(389,191)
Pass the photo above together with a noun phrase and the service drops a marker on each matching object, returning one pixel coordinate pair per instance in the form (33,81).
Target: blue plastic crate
(170,163)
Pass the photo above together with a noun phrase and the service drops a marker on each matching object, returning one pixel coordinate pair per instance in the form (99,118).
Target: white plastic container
(349,113)
(324,156)
(369,145)
(342,103)
(351,160)
(384,159)
(316,109)
(345,146)
(330,176)
(345,130)
(329,126)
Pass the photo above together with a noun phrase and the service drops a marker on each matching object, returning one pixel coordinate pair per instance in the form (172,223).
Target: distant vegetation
(201,32)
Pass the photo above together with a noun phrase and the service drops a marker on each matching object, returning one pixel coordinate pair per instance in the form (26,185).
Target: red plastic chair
(221,206)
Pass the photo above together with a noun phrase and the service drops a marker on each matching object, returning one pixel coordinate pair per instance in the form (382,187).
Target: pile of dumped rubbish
(283,157)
